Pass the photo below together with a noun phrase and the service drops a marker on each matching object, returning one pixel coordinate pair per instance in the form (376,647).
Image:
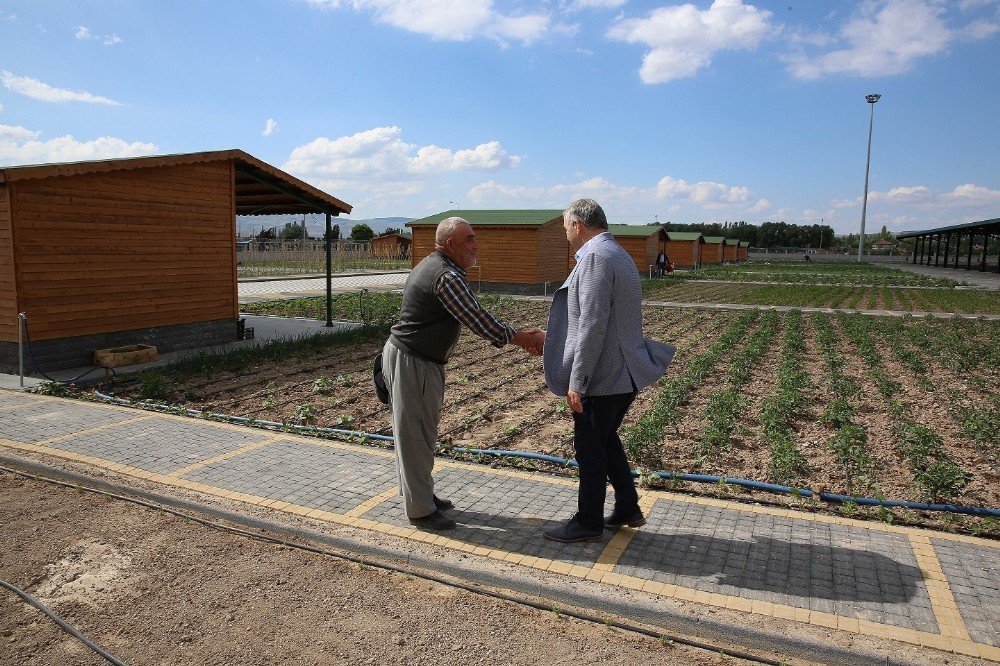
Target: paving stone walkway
(917,586)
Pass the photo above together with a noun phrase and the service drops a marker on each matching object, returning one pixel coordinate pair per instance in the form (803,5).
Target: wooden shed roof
(684,235)
(261,189)
(644,231)
(493,218)
(715,240)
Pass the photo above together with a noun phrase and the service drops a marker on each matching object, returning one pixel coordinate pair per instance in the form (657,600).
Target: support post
(21,318)
(329,273)
(972,241)
(947,248)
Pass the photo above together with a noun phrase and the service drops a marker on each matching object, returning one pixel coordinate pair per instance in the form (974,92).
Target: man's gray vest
(425,328)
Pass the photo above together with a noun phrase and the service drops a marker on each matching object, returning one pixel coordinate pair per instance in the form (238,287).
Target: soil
(496,398)
(151,588)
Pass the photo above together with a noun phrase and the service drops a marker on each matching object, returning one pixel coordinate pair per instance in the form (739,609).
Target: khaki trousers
(416,395)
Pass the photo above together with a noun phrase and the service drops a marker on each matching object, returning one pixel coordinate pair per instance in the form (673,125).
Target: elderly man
(437,302)
(595,355)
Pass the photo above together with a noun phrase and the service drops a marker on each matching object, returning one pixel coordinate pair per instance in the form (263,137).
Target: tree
(391,230)
(293,231)
(334,233)
(362,232)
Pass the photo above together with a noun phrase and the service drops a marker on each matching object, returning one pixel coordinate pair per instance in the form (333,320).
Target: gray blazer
(594,342)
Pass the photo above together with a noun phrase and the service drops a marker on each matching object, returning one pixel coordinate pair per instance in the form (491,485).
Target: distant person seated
(807,258)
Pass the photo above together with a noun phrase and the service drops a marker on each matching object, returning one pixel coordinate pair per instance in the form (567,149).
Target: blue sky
(694,112)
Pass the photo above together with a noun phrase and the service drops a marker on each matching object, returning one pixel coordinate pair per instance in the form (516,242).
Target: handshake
(531,339)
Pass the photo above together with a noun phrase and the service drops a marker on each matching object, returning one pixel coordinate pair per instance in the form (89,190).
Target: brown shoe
(435,521)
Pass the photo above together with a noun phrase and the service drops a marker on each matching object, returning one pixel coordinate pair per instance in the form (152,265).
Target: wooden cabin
(684,248)
(642,242)
(713,251)
(729,253)
(520,251)
(394,245)
(141,250)
(743,250)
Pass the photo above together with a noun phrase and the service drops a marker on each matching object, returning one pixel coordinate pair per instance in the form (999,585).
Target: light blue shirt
(588,247)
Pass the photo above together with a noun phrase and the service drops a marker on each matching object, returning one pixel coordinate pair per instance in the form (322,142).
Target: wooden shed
(743,250)
(142,250)
(729,250)
(521,251)
(713,251)
(394,245)
(642,242)
(684,248)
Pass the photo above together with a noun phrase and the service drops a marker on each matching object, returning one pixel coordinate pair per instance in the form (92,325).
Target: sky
(689,113)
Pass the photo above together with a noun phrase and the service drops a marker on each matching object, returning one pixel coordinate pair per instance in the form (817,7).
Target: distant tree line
(767,234)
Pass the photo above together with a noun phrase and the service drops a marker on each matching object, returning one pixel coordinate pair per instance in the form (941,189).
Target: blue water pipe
(566,462)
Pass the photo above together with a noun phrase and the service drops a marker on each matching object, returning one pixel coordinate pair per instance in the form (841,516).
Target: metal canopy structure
(936,247)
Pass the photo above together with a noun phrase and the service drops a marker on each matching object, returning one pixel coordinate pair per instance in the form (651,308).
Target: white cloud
(975,194)
(35,89)
(82,32)
(701,192)
(269,127)
(111,40)
(885,38)
(19,145)
(379,159)
(454,20)
(682,39)
(579,5)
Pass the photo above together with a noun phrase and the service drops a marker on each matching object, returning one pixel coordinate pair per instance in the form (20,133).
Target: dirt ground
(152,588)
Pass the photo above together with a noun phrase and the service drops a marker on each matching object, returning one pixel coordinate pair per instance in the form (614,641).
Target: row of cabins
(521,250)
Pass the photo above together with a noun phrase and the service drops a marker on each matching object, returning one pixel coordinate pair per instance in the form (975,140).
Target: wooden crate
(128,355)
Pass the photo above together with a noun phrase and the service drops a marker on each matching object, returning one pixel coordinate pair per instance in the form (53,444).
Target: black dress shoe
(435,521)
(632,518)
(572,531)
(443,504)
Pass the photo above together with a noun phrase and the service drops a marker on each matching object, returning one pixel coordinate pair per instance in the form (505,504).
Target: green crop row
(778,410)
(643,439)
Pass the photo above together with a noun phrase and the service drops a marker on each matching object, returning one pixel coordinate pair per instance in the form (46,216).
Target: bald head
(455,239)
(447,228)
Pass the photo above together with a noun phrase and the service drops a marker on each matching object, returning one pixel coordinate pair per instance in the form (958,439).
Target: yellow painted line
(225,456)
(946,611)
(612,552)
(373,502)
(87,431)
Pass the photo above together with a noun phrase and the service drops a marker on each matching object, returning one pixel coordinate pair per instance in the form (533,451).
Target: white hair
(447,228)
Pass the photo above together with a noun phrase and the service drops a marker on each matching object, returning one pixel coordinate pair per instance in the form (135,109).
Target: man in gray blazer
(595,355)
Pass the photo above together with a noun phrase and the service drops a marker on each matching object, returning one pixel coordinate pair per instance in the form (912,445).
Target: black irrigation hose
(475,589)
(66,626)
(38,367)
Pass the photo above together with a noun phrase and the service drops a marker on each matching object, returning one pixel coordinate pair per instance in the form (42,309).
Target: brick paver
(279,289)
(877,579)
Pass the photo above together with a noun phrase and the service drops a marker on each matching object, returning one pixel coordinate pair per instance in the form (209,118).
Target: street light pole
(871,99)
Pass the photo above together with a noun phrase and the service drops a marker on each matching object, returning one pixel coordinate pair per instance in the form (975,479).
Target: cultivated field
(871,406)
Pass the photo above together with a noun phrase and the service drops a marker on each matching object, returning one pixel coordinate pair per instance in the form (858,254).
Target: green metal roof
(684,235)
(644,230)
(715,240)
(958,227)
(497,218)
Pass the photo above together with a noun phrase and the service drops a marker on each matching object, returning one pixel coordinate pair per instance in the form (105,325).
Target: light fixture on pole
(457,205)
(871,99)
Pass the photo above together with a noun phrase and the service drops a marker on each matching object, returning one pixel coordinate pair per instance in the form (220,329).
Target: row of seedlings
(935,474)
(848,441)
(779,410)
(643,439)
(726,404)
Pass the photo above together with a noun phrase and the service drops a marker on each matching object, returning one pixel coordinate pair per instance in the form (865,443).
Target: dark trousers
(601,457)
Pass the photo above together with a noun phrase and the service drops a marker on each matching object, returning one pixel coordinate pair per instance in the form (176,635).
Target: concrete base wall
(516,288)
(78,352)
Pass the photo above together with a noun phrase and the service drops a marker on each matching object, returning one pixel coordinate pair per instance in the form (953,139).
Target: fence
(303,257)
